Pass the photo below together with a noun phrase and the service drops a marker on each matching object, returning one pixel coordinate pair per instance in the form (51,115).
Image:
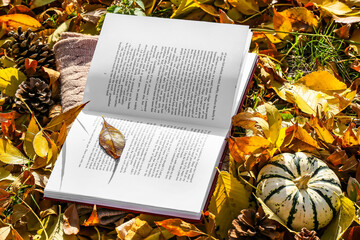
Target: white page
(244,79)
(84,171)
(176,70)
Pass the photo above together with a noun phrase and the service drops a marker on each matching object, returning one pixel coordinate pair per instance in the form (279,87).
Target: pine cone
(306,235)
(253,225)
(28,45)
(36,94)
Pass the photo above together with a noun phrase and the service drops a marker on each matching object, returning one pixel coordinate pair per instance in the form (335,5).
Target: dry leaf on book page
(112,140)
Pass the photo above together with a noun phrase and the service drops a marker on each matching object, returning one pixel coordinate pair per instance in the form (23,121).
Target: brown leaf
(93,220)
(51,74)
(71,220)
(337,157)
(67,117)
(180,228)
(19,211)
(112,140)
(4,199)
(352,233)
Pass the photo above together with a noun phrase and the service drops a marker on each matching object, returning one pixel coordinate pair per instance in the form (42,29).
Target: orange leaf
(93,220)
(298,139)
(337,157)
(30,66)
(7,116)
(281,24)
(343,32)
(4,199)
(240,146)
(112,140)
(224,18)
(321,131)
(349,138)
(13,21)
(180,228)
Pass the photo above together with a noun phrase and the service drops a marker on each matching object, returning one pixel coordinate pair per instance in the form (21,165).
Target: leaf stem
(41,224)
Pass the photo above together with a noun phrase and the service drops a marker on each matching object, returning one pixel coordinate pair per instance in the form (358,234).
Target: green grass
(323,48)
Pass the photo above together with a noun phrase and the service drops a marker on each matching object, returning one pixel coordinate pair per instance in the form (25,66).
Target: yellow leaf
(270,213)
(67,117)
(10,78)
(10,154)
(301,16)
(229,198)
(112,140)
(247,7)
(41,145)
(335,7)
(315,81)
(311,92)
(209,9)
(342,221)
(30,133)
(274,120)
(321,131)
(281,24)
(298,139)
(13,21)
(186,7)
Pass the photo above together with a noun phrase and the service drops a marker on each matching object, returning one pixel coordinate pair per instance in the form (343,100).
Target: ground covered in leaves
(304,97)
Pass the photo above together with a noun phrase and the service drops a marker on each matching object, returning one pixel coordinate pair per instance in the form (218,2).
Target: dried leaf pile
(304,97)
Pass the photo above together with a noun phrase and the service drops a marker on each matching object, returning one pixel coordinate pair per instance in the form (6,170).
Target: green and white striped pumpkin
(301,189)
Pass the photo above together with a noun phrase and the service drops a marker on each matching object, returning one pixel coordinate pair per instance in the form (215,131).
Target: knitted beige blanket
(73,57)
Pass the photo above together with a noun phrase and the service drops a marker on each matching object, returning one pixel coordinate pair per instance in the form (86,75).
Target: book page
(176,70)
(163,166)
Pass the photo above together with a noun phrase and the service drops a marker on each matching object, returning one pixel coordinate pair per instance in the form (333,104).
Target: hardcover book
(171,87)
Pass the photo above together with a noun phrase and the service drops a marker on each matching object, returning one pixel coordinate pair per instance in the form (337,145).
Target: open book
(171,87)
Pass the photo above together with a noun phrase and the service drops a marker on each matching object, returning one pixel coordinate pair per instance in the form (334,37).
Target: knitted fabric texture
(73,55)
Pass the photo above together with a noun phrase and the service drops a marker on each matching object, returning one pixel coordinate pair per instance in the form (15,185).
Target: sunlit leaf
(13,21)
(30,133)
(55,36)
(341,222)
(10,154)
(41,145)
(274,120)
(310,92)
(180,228)
(112,140)
(224,18)
(10,78)
(336,7)
(93,220)
(229,198)
(67,117)
(240,146)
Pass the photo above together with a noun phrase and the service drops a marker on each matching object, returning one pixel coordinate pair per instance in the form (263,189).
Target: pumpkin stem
(302,181)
